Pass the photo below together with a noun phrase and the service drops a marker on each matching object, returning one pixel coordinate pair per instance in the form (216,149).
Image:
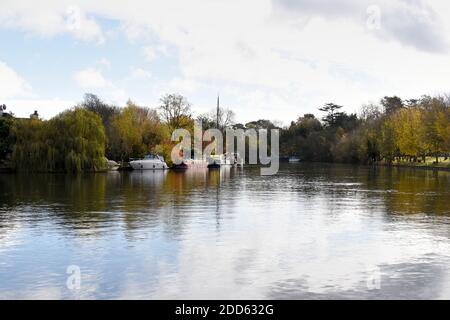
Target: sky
(268,59)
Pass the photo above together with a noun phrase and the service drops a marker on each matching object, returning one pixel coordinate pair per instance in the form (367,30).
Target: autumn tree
(435,125)
(175,111)
(387,138)
(409,132)
(137,131)
(128,138)
(106,112)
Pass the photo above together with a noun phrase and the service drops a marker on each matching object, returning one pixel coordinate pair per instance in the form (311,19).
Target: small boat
(190,163)
(294,159)
(149,162)
(112,165)
(218,161)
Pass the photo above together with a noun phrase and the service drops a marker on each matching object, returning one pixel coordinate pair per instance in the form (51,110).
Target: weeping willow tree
(6,141)
(73,141)
(30,149)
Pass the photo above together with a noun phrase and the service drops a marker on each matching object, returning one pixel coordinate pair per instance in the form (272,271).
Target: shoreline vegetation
(411,133)
(442,166)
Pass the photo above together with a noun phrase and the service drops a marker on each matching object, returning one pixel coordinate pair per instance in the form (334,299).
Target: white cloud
(135,31)
(91,79)
(412,23)
(185,85)
(303,58)
(150,53)
(103,62)
(140,74)
(287,56)
(11,84)
(81,26)
(50,18)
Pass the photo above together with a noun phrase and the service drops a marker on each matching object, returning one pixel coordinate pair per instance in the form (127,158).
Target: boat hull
(186,164)
(148,165)
(220,163)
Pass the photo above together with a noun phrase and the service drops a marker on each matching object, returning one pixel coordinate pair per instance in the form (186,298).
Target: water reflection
(312,231)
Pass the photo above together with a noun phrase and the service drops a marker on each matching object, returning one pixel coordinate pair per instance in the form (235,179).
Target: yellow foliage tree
(409,132)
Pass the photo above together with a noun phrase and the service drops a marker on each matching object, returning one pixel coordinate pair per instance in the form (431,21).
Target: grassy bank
(429,163)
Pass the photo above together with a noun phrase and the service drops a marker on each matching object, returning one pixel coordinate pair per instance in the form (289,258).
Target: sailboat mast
(217,115)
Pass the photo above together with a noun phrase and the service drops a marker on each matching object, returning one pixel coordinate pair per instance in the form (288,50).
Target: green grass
(429,162)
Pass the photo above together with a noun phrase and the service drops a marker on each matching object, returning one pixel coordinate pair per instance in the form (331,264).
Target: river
(313,231)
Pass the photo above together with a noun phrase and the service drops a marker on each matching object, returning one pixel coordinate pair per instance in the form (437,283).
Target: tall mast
(217,118)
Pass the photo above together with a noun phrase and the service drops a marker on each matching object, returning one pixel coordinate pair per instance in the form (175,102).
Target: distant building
(35,115)
(4,114)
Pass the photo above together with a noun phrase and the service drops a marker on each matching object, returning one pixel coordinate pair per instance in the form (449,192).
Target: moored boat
(149,162)
(190,163)
(294,159)
(112,165)
(218,161)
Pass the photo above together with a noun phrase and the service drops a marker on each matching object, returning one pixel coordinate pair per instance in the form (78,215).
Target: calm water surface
(310,232)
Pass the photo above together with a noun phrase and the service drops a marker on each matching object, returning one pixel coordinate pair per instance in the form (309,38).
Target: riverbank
(441,166)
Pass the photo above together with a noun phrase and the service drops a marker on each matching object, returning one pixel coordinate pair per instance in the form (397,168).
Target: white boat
(149,162)
(112,165)
(294,159)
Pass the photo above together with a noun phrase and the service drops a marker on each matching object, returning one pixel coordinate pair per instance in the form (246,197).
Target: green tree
(391,104)
(128,141)
(76,141)
(106,112)
(31,151)
(6,140)
(137,130)
(73,141)
(350,148)
(332,115)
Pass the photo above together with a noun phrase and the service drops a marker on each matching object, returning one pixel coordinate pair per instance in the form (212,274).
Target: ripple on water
(311,232)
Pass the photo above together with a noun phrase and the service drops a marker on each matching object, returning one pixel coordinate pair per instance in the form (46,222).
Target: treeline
(80,139)
(72,141)
(84,137)
(393,130)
